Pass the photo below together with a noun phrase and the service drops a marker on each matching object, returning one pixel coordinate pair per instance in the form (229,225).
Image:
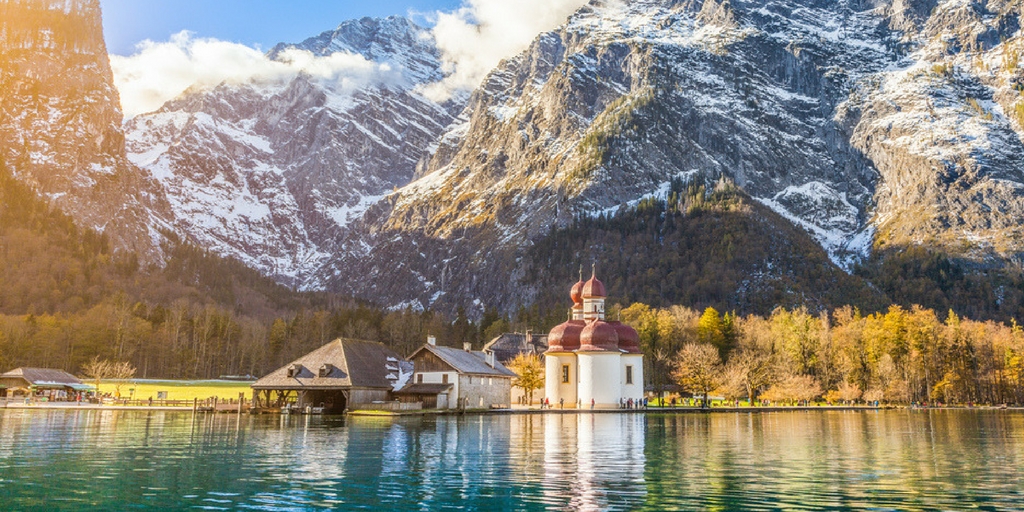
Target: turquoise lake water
(807,460)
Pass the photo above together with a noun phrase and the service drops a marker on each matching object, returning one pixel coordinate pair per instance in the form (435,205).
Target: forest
(897,356)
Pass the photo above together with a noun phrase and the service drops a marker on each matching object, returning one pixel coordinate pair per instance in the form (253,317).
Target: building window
(490,381)
(565,374)
(419,378)
(629,375)
(444,379)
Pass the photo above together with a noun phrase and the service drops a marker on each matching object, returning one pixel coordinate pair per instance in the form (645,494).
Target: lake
(804,460)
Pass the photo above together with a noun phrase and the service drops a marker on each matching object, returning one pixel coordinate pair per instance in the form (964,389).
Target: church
(591,362)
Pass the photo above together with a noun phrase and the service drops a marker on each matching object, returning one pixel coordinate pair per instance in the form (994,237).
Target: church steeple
(593,297)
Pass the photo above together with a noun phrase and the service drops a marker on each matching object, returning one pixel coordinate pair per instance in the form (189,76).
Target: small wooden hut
(333,378)
(46,382)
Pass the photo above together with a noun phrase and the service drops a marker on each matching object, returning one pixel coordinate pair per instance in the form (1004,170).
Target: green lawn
(177,389)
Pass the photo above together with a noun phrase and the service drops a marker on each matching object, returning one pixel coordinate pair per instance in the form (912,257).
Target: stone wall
(479,391)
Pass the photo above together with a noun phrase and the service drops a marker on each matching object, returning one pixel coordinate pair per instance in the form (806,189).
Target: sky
(161,48)
(256,23)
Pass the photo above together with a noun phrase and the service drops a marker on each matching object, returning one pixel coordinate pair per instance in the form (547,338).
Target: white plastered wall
(636,389)
(600,378)
(554,388)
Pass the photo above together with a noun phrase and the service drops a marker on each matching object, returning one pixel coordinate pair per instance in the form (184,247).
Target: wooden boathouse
(334,378)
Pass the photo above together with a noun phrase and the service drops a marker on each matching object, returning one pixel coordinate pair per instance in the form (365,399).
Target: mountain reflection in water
(813,460)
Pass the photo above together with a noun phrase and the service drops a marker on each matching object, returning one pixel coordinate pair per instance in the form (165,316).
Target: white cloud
(159,72)
(474,38)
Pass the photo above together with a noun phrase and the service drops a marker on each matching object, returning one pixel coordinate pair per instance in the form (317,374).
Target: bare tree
(698,369)
(794,387)
(849,392)
(121,372)
(751,369)
(97,370)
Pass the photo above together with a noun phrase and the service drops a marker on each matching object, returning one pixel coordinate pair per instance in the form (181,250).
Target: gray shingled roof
(467,362)
(510,344)
(356,364)
(43,376)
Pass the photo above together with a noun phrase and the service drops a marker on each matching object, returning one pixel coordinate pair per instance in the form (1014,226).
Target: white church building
(591,361)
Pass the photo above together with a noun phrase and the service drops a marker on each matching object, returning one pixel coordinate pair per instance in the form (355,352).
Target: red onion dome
(599,336)
(577,292)
(629,340)
(565,337)
(594,289)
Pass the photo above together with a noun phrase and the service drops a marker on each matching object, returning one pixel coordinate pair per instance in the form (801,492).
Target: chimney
(467,346)
(431,340)
(490,359)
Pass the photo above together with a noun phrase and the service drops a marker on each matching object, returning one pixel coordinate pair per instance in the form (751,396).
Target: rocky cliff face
(60,120)
(943,128)
(271,172)
(868,123)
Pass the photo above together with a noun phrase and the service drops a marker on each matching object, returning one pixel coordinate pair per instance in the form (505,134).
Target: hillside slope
(874,126)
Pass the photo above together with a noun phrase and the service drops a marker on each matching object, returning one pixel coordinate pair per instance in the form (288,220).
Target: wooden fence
(388,406)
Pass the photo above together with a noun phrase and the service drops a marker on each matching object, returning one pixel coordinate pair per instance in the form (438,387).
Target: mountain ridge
(796,101)
(876,126)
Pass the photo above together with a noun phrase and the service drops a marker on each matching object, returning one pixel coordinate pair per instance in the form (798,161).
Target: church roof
(565,337)
(599,336)
(594,289)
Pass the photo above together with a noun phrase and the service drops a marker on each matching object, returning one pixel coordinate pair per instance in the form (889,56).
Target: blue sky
(257,23)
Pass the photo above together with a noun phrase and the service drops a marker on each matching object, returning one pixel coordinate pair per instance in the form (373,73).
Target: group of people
(629,403)
(624,403)
(546,403)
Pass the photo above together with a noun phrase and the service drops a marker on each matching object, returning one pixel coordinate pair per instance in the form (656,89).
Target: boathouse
(48,382)
(336,377)
(459,378)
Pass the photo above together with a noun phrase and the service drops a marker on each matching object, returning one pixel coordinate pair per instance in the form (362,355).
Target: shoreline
(679,410)
(74,406)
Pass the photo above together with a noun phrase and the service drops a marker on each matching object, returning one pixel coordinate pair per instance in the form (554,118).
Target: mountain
(873,125)
(270,172)
(869,146)
(60,121)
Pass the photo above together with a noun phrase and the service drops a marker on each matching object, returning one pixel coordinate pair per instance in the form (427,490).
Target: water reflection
(591,461)
(839,460)
(813,460)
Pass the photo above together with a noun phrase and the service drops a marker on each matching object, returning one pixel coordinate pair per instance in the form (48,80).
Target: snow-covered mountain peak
(395,42)
(271,171)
